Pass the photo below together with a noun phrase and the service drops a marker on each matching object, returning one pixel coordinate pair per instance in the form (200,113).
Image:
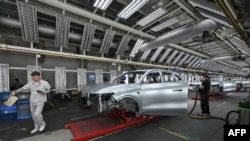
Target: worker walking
(204,95)
(38,89)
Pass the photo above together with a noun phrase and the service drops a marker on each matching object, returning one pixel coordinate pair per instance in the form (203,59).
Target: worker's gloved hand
(13,93)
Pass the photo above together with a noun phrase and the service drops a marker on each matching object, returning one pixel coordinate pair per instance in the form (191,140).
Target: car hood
(109,88)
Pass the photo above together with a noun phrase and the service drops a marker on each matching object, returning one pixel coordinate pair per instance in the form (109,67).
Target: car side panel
(167,98)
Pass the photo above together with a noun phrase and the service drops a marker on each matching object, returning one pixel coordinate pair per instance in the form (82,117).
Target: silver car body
(224,83)
(219,84)
(167,96)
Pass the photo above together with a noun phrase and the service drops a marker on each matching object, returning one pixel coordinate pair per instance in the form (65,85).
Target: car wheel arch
(135,99)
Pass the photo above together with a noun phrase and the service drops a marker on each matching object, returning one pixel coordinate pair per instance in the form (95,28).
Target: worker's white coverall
(36,100)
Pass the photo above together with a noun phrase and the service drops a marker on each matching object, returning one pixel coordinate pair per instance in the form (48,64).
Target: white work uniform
(36,100)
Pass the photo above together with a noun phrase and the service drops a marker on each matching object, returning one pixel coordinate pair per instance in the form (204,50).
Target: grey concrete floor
(162,129)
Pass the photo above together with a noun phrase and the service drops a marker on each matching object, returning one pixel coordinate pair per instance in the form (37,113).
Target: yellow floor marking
(175,133)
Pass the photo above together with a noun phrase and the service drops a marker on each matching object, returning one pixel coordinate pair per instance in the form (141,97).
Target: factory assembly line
(119,70)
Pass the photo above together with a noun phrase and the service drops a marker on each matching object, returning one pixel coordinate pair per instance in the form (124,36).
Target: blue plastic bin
(23,106)
(4,95)
(8,117)
(7,109)
(23,114)
(23,101)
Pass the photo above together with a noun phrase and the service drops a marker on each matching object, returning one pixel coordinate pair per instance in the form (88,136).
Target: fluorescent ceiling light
(123,45)
(130,9)
(165,55)
(152,16)
(138,44)
(156,54)
(145,54)
(102,4)
(28,19)
(87,36)
(107,40)
(62,30)
(215,19)
(171,57)
(165,24)
(211,9)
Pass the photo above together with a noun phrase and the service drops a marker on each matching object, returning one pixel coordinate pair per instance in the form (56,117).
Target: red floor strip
(92,128)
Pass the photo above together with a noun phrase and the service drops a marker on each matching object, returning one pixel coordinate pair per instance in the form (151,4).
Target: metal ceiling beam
(187,9)
(82,12)
(188,50)
(225,7)
(6,47)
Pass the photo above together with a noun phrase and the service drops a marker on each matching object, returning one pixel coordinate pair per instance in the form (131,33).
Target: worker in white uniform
(38,89)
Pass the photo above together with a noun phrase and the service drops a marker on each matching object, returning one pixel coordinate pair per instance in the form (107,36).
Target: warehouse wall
(16,59)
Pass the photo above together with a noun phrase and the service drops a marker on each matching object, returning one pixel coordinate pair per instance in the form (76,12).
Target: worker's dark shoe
(34,131)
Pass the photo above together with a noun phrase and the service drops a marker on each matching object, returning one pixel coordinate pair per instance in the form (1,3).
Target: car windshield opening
(129,77)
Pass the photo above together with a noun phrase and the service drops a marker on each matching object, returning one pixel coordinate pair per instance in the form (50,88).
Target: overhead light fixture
(165,55)
(87,36)
(183,59)
(122,46)
(107,40)
(28,19)
(145,54)
(208,7)
(130,9)
(152,16)
(196,62)
(192,62)
(136,47)
(166,24)
(156,54)
(171,57)
(215,19)
(62,30)
(102,4)
(177,58)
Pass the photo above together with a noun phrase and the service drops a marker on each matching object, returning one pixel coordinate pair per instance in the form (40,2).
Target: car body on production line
(219,84)
(143,92)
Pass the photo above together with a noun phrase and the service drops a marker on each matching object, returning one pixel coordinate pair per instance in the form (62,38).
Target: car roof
(146,70)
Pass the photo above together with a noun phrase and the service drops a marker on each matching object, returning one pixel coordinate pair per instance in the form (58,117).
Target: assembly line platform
(96,127)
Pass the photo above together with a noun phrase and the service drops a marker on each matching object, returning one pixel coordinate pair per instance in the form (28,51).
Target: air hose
(198,116)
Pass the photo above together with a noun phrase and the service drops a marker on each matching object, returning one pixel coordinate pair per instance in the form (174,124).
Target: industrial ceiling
(190,35)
